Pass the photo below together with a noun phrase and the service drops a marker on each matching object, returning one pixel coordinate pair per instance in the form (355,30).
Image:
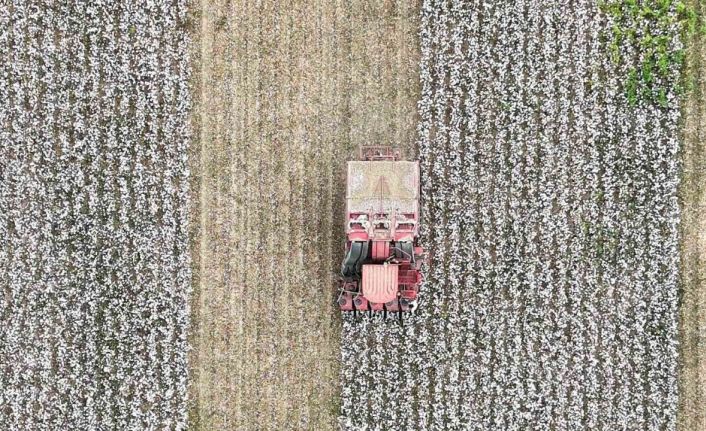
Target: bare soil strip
(692,327)
(284,97)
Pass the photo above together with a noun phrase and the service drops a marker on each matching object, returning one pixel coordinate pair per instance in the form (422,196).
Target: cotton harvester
(381,267)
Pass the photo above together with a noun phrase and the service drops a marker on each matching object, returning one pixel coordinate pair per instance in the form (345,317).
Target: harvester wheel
(408,248)
(362,257)
(348,268)
(404,250)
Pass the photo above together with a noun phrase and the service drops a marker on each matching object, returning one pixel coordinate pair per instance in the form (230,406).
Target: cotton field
(94,261)
(172,196)
(551,216)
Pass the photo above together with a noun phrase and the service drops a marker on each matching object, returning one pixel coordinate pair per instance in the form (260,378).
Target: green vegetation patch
(651,30)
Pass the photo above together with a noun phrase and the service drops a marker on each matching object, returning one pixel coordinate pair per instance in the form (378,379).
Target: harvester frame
(381,268)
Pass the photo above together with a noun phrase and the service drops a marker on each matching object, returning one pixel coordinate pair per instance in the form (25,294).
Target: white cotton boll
(554,256)
(81,270)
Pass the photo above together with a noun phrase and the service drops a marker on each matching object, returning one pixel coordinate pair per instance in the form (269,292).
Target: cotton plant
(95,191)
(550,210)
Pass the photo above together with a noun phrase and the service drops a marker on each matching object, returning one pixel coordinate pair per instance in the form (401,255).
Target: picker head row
(381,267)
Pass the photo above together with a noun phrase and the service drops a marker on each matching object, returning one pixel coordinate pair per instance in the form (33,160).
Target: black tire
(404,250)
(363,257)
(348,267)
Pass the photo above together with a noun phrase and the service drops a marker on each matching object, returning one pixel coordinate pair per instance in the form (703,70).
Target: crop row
(550,212)
(94,263)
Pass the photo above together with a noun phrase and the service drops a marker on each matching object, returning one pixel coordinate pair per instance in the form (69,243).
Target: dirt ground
(284,96)
(692,382)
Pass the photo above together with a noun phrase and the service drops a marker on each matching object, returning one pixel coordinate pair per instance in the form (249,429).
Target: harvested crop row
(94,262)
(287,94)
(551,215)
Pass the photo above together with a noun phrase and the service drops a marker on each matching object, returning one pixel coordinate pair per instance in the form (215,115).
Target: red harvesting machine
(381,267)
